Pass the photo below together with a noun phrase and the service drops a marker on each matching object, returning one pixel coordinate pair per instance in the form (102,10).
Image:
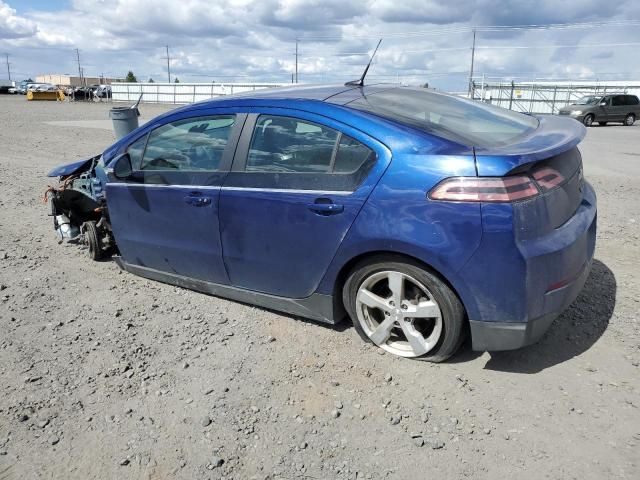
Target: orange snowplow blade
(57,95)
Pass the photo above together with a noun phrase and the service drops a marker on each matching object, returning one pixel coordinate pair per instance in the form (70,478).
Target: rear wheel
(404,309)
(588,120)
(630,120)
(602,124)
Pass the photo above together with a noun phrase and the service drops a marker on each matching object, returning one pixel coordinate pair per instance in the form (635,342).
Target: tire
(435,337)
(93,240)
(588,120)
(630,120)
(603,124)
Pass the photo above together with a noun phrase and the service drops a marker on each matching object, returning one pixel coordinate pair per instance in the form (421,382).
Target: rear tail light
(548,178)
(496,189)
(470,189)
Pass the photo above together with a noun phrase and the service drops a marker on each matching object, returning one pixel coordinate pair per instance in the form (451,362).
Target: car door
(165,218)
(604,110)
(618,108)
(298,182)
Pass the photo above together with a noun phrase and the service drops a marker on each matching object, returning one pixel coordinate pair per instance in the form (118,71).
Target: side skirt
(316,307)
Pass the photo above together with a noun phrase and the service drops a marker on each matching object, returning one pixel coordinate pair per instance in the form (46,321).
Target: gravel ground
(107,375)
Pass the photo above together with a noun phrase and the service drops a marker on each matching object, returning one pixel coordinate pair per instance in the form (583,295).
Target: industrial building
(73,81)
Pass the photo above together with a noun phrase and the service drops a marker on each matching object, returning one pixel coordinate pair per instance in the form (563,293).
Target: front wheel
(588,120)
(404,309)
(630,120)
(93,240)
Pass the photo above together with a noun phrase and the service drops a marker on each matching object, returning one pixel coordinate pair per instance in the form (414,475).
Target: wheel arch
(349,265)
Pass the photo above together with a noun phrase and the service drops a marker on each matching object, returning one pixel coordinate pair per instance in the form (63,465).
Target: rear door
(618,108)
(166,217)
(297,184)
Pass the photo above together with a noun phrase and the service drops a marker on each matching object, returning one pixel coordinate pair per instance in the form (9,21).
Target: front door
(166,217)
(297,184)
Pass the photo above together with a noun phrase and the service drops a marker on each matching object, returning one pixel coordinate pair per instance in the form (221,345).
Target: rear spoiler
(553,136)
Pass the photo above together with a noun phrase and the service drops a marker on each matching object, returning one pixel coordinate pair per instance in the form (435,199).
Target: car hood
(553,136)
(69,168)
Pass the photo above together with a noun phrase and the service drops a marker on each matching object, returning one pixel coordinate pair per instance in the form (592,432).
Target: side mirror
(122,169)
(603,104)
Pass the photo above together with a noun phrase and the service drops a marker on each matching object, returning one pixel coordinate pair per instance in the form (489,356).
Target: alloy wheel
(399,314)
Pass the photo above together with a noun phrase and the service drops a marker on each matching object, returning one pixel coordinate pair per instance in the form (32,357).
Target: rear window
(457,119)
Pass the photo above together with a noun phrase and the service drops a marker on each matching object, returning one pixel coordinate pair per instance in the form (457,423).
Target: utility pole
(79,68)
(296,60)
(8,69)
(168,66)
(473,54)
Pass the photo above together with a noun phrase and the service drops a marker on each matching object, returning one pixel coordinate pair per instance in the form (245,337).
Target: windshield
(590,100)
(463,121)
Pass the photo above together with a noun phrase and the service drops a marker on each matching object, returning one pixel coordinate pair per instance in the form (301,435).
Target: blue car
(423,217)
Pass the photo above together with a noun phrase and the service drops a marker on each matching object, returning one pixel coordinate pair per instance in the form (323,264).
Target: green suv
(604,108)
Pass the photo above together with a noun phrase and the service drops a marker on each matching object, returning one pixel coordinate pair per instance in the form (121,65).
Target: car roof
(323,93)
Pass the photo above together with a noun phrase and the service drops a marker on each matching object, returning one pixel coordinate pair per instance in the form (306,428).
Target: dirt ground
(109,376)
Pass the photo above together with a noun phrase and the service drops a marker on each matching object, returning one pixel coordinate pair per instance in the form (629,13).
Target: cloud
(421,11)
(13,26)
(254,40)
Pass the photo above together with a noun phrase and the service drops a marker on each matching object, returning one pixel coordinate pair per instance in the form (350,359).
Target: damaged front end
(78,206)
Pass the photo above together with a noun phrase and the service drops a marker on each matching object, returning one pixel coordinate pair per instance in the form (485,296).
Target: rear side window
(457,119)
(351,155)
(632,100)
(290,145)
(193,144)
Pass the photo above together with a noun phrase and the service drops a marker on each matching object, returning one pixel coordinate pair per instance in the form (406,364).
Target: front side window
(618,101)
(135,151)
(192,144)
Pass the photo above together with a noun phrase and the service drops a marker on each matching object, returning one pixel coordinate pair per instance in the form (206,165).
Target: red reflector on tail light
(494,189)
(548,178)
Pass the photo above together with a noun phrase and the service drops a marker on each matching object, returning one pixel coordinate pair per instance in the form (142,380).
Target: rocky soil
(106,375)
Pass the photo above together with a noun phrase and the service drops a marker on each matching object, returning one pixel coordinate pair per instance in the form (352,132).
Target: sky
(424,41)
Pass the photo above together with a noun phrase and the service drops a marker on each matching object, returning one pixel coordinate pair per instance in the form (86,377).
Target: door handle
(325,208)
(197,201)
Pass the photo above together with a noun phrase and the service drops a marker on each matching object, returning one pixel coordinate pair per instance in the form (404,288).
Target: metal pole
(511,96)
(79,69)
(168,67)
(8,69)
(473,54)
(296,60)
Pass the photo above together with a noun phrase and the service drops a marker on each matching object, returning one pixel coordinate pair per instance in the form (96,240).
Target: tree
(150,81)
(130,77)
(176,80)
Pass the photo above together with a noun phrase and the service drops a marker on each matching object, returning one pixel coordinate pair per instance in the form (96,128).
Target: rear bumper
(495,336)
(526,284)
